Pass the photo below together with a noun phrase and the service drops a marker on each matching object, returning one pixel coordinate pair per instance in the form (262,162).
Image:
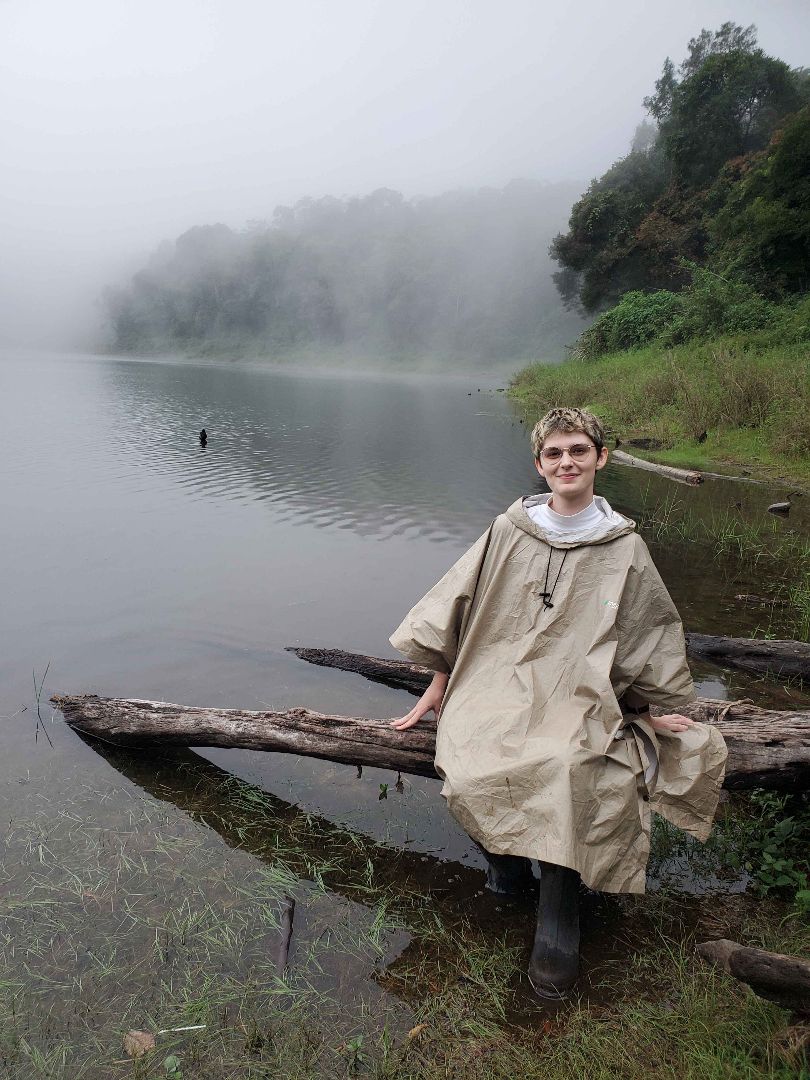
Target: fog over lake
(125,125)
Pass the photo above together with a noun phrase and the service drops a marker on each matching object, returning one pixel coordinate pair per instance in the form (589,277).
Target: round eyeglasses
(579,451)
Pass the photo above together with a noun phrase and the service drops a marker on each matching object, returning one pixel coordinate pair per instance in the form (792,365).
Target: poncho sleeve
(431,632)
(650,669)
(650,666)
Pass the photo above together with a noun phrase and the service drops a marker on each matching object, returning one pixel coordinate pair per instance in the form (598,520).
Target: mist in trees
(462,278)
(719,181)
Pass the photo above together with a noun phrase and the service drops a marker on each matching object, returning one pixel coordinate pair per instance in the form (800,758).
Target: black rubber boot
(554,965)
(507,875)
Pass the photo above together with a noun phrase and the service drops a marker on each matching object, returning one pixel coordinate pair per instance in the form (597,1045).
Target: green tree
(729,106)
(761,234)
(599,256)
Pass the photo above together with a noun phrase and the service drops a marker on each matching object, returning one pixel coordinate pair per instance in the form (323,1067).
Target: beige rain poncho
(536,754)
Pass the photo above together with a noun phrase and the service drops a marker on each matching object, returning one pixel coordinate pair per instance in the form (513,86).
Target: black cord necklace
(546,596)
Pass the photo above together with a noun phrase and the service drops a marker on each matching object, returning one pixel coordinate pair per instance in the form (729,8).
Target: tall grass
(760,545)
(748,394)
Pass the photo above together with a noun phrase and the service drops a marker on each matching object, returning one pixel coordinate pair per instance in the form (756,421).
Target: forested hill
(461,278)
(694,250)
(705,225)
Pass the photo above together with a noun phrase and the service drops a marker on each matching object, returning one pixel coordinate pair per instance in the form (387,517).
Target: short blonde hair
(568,420)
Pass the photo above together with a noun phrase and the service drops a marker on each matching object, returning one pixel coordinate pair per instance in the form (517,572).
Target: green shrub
(637,319)
(713,305)
(708,307)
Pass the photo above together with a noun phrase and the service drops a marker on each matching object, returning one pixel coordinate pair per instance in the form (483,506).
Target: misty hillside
(460,277)
(695,251)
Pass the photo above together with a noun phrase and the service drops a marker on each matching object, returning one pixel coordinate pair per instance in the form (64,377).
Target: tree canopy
(700,190)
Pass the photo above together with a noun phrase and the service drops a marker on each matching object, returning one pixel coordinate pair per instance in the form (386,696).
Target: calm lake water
(137,564)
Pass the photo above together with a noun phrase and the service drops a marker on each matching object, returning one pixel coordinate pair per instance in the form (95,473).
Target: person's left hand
(671,722)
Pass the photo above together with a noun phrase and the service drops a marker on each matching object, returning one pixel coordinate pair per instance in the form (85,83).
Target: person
(550,639)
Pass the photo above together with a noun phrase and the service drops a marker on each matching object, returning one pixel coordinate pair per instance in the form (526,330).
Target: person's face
(571,476)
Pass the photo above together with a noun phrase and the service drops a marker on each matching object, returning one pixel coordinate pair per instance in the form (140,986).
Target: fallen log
(766,748)
(775,976)
(683,476)
(401,674)
(788,659)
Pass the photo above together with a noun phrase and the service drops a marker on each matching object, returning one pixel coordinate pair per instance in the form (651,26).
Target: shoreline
(735,405)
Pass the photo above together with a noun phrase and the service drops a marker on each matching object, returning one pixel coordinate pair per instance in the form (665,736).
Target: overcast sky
(127,121)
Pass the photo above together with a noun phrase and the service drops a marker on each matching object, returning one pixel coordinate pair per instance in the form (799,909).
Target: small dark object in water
(783,507)
(703,436)
(286,930)
(203,438)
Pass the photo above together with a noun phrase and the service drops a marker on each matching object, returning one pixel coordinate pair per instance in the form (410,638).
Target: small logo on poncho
(611,604)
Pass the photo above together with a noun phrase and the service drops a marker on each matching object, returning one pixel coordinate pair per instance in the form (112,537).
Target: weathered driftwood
(345,739)
(766,748)
(752,755)
(788,659)
(775,976)
(401,674)
(683,476)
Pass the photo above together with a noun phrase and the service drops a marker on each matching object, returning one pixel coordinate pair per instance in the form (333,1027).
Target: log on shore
(775,976)
(683,476)
(766,748)
(138,724)
(787,659)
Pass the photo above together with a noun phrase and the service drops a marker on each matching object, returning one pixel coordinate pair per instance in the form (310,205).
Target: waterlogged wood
(775,976)
(788,659)
(766,748)
(139,724)
(683,476)
(400,674)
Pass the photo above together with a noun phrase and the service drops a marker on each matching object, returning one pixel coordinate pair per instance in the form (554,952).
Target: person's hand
(431,699)
(671,722)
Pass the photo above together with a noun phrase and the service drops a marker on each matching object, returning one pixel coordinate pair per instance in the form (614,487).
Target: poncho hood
(619,525)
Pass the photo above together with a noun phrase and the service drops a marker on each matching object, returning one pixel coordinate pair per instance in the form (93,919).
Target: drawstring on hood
(546,596)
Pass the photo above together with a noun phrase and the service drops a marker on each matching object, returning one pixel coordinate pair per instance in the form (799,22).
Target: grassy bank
(160,925)
(757,549)
(748,394)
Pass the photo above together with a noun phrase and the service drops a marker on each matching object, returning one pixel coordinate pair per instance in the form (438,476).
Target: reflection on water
(138,562)
(378,456)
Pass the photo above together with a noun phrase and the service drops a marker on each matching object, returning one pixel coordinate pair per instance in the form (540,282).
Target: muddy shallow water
(138,564)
